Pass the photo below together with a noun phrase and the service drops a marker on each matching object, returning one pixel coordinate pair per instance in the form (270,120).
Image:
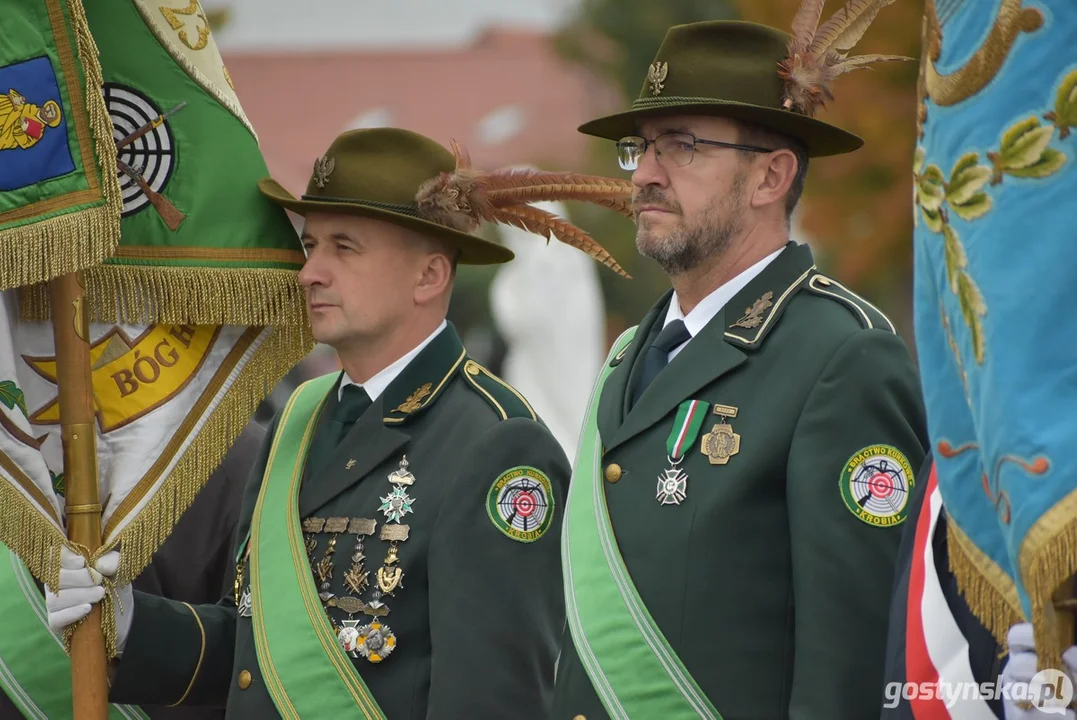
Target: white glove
(1040,702)
(81,587)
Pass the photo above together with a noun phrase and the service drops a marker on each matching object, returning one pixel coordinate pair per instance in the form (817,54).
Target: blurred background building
(511,80)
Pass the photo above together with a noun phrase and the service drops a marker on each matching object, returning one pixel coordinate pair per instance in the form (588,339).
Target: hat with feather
(407,179)
(756,74)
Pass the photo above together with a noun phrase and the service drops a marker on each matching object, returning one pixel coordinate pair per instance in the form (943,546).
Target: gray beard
(683,250)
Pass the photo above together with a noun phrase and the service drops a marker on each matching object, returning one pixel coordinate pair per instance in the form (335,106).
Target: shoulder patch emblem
(876,483)
(520,503)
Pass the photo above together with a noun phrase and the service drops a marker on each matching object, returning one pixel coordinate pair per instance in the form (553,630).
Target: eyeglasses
(677,149)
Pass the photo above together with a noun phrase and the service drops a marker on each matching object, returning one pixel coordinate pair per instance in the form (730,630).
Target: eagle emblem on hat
(323,168)
(656,76)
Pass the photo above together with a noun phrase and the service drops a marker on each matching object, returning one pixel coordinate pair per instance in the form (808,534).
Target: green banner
(198,241)
(59,198)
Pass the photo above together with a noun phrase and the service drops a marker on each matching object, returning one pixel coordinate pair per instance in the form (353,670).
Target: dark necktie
(657,355)
(352,405)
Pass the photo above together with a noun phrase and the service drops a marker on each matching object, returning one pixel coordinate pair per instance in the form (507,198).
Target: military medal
(673,482)
(372,640)
(721,443)
(356,577)
(311,527)
(348,634)
(245,603)
(401,476)
(243,599)
(389,576)
(336,526)
(396,504)
(376,641)
(348,637)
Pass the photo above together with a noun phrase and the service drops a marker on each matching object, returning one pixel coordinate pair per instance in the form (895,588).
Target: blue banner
(995,291)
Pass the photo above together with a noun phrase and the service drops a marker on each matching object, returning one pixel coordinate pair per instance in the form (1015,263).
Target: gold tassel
(990,593)
(39,251)
(30,535)
(142,537)
(75,240)
(198,296)
(100,120)
(1048,559)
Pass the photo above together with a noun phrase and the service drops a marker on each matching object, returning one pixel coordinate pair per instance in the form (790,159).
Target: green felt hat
(378,173)
(728,69)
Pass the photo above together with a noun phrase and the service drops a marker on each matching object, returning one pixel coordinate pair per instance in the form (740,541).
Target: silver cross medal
(672,484)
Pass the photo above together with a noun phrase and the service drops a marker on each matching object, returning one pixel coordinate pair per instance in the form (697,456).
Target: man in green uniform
(742,479)
(397,551)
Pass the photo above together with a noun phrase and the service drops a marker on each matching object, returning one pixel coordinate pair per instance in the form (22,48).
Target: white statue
(548,306)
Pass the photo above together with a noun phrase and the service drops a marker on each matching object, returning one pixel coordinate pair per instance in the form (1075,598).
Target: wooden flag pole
(70,326)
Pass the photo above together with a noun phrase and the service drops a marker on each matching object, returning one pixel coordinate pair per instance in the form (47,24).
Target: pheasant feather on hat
(466,198)
(820,53)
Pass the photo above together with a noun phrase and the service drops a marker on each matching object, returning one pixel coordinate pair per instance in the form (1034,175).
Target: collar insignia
(753,316)
(414,401)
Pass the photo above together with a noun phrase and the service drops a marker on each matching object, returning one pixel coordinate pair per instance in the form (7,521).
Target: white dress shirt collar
(709,306)
(376,385)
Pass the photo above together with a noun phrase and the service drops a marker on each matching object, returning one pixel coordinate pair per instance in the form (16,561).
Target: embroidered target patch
(520,503)
(876,484)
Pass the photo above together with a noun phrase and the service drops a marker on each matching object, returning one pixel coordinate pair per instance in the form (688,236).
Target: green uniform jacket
(479,614)
(772,592)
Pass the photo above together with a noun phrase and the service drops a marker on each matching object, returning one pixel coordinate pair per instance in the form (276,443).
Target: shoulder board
(867,314)
(506,401)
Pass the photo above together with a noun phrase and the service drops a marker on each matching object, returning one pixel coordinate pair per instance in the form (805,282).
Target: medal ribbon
(686,426)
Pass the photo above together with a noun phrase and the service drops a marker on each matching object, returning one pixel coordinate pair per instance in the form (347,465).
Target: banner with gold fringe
(59,198)
(169,400)
(995,173)
(198,242)
(195,316)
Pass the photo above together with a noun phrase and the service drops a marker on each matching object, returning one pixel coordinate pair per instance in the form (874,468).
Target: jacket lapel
(702,361)
(384,429)
(612,403)
(718,349)
(368,444)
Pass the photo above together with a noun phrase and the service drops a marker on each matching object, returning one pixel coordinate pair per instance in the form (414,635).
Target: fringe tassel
(40,251)
(1048,560)
(108,621)
(100,120)
(277,355)
(75,240)
(989,592)
(200,296)
(30,535)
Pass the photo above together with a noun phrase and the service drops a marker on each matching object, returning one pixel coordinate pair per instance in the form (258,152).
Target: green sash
(632,667)
(305,669)
(35,672)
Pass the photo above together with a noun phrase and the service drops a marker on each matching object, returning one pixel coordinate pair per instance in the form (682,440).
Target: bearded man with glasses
(744,471)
